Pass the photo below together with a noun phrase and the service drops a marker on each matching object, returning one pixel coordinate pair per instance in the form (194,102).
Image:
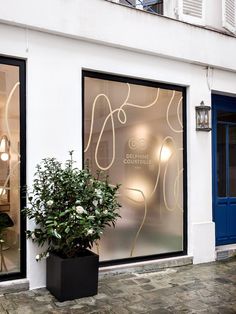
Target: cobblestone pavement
(206,288)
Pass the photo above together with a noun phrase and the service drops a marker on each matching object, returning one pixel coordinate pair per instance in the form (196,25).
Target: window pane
(128,2)
(134,134)
(221,160)
(226,116)
(153,6)
(232,161)
(9,169)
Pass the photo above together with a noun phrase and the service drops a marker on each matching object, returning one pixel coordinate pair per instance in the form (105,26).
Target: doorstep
(225,251)
(147,266)
(12,286)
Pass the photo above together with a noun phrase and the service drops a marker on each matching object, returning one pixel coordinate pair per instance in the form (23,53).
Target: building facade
(118,82)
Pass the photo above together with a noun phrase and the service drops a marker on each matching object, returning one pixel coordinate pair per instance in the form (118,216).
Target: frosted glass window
(134,133)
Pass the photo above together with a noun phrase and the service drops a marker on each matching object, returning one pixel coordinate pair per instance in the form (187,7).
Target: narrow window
(12,179)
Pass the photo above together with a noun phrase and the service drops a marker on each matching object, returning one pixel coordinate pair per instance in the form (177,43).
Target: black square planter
(71,278)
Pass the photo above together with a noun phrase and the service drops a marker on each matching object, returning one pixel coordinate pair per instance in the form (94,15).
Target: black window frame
(21,64)
(149,83)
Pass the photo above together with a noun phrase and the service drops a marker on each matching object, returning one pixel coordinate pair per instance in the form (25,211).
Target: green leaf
(56,234)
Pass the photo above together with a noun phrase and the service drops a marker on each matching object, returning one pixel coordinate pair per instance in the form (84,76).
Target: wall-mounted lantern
(203,117)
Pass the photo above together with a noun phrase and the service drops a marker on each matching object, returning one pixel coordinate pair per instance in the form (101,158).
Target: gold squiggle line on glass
(164,188)
(176,196)
(177,182)
(167,115)
(4,187)
(178,112)
(91,131)
(143,221)
(6,117)
(159,169)
(113,140)
(123,120)
(159,162)
(142,107)
(93,113)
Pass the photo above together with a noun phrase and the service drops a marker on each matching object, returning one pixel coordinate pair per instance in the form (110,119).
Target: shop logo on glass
(137,143)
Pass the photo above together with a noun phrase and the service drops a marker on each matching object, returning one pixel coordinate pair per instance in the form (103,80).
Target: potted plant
(70,208)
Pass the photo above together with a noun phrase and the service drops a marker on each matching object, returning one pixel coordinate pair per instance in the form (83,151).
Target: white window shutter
(192,11)
(229,15)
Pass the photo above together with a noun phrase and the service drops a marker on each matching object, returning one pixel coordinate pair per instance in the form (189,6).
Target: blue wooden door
(224,168)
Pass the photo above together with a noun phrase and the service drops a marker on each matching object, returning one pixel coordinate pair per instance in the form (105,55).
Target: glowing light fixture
(4,156)
(203,117)
(4,148)
(2,191)
(165,153)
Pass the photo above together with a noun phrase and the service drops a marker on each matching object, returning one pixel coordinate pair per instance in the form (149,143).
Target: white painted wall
(116,25)
(54,65)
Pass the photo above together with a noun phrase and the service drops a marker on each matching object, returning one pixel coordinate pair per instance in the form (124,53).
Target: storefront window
(133,132)
(10,158)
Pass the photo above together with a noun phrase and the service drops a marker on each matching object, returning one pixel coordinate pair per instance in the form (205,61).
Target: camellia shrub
(70,207)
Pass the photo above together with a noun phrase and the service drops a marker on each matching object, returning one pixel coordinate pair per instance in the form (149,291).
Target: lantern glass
(202,118)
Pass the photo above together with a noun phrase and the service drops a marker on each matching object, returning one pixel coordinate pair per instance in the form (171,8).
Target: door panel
(232,221)
(222,227)
(224,168)
(221,160)
(232,161)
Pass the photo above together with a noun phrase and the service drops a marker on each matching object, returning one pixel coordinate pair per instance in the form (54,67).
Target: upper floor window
(217,14)
(154,6)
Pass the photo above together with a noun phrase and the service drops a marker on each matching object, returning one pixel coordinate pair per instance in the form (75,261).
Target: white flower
(49,203)
(105,212)
(47,255)
(91,217)
(33,236)
(90,231)
(100,201)
(73,216)
(98,192)
(80,210)
(37,257)
(95,203)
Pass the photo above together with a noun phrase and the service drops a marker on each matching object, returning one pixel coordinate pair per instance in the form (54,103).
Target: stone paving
(205,288)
